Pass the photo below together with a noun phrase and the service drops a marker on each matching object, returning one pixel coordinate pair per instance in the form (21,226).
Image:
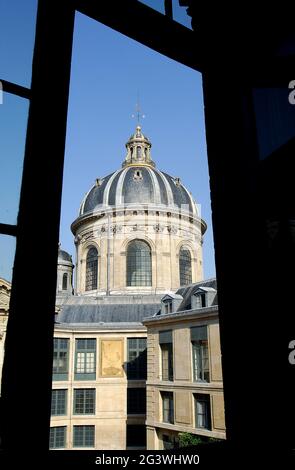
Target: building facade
(138,235)
(184,379)
(5,288)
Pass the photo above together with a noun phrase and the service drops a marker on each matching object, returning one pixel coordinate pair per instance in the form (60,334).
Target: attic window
(168,307)
(201,300)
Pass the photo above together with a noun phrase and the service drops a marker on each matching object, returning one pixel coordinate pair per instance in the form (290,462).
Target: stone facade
(165,233)
(184,388)
(5,288)
(110,384)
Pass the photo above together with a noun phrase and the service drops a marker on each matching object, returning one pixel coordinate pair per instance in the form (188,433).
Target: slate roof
(188,291)
(106,313)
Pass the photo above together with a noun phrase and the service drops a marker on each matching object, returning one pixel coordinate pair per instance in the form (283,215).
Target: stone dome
(63,256)
(138,182)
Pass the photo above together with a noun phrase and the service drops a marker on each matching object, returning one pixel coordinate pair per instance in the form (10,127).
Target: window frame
(56,376)
(54,437)
(91,269)
(139,264)
(55,401)
(84,428)
(87,353)
(65,281)
(166,355)
(53,53)
(84,401)
(205,399)
(185,266)
(168,397)
(199,346)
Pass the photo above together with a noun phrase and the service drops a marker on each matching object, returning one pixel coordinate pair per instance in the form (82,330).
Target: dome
(138,182)
(64,256)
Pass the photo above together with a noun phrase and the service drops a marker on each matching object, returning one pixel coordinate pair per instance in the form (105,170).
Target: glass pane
(17,37)
(13,127)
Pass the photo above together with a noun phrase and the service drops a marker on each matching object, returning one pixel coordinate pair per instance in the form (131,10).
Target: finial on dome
(138,114)
(138,149)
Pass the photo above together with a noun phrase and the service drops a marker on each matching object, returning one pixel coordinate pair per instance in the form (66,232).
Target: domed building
(138,235)
(138,230)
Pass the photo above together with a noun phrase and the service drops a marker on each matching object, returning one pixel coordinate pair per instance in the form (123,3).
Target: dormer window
(203,297)
(168,307)
(201,300)
(170,303)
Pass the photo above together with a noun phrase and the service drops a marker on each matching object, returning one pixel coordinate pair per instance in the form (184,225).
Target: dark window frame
(65,281)
(167,411)
(205,399)
(185,266)
(91,273)
(200,354)
(52,57)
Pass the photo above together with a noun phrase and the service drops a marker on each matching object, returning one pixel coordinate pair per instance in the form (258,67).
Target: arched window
(139,264)
(91,269)
(65,281)
(185,266)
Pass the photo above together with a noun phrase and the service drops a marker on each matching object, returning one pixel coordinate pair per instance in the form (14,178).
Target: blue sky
(108,70)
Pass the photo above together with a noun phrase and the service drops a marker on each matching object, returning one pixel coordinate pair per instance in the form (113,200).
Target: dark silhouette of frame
(252,209)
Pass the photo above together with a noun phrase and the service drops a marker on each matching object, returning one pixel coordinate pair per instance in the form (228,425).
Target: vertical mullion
(38,230)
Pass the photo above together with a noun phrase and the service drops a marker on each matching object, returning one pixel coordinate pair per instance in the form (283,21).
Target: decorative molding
(172,229)
(158,228)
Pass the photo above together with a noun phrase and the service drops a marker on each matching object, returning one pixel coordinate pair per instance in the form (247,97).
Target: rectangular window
(136,435)
(167,407)
(83,436)
(199,337)
(201,300)
(84,401)
(60,359)
(136,366)
(58,402)
(136,401)
(57,438)
(202,411)
(165,340)
(85,359)
(168,307)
